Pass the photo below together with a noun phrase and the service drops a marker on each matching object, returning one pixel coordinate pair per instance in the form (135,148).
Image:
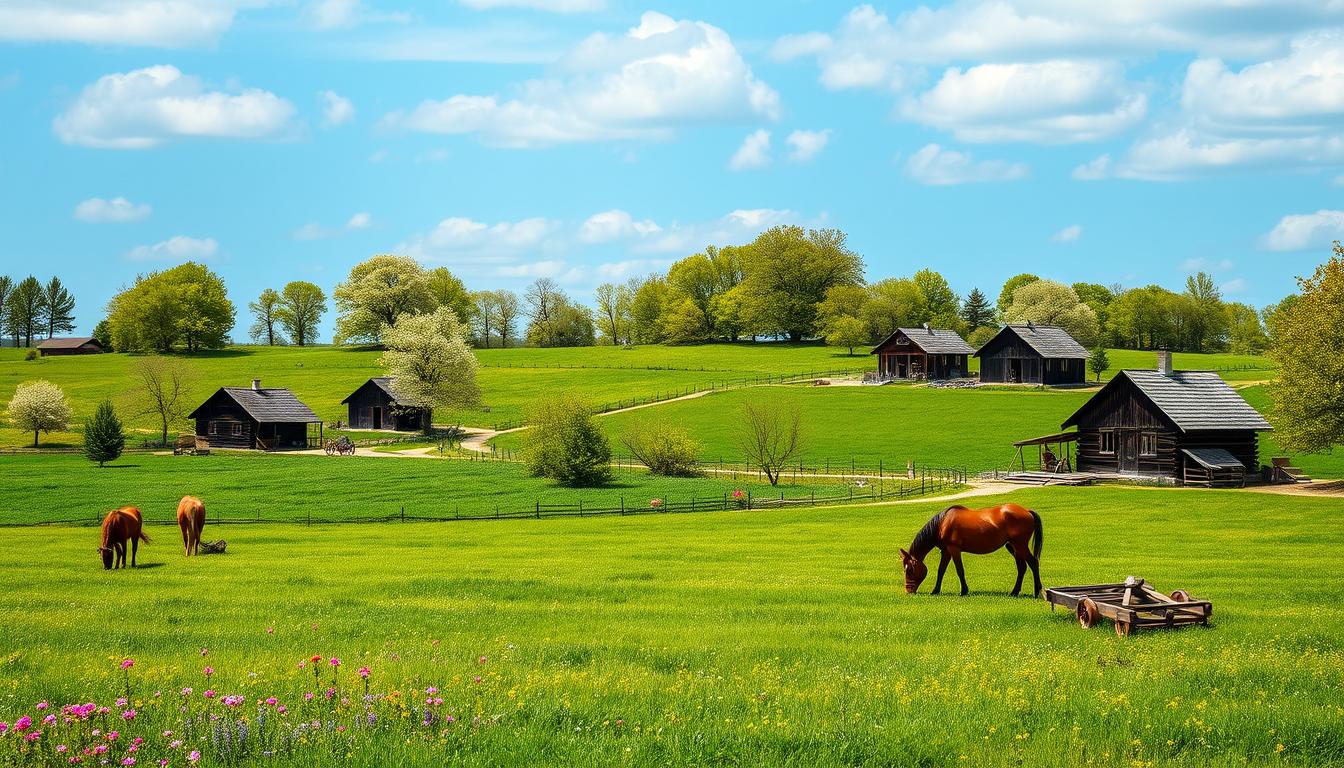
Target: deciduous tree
(1046,302)
(186,305)
(787,273)
(1099,363)
(846,332)
(377,292)
(507,311)
(1308,343)
(430,362)
(38,406)
(162,390)
(302,305)
(1011,286)
(770,435)
(449,291)
(265,315)
(663,447)
(564,443)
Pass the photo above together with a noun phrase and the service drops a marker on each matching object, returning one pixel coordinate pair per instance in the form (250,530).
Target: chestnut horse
(120,526)
(978,531)
(191,519)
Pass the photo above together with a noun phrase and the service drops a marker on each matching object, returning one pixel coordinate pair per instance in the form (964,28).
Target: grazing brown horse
(978,531)
(120,526)
(191,519)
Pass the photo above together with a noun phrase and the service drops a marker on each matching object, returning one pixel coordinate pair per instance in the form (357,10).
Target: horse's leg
(1021,571)
(121,554)
(186,536)
(942,568)
(1035,572)
(961,573)
(135,547)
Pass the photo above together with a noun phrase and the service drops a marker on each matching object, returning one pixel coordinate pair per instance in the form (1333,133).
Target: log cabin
(1186,425)
(80,345)
(375,405)
(1033,354)
(261,418)
(923,353)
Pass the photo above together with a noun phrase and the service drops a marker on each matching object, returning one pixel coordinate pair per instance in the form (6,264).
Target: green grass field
(739,638)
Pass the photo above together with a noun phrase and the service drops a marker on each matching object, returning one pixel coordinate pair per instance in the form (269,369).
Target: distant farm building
(923,353)
(375,405)
(1033,354)
(262,418)
(1186,425)
(80,345)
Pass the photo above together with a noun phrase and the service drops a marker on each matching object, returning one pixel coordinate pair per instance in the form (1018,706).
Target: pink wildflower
(270,630)
(482,660)
(271,700)
(128,663)
(335,662)
(209,671)
(128,761)
(364,672)
(194,756)
(23,723)
(209,694)
(41,705)
(128,715)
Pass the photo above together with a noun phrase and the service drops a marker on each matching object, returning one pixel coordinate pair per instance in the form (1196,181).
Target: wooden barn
(1033,354)
(923,353)
(266,419)
(1186,425)
(375,406)
(80,345)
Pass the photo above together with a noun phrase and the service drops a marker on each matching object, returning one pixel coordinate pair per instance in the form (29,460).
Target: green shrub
(103,437)
(665,449)
(565,445)
(31,355)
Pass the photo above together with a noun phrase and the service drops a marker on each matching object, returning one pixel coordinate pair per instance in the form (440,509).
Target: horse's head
(106,554)
(915,571)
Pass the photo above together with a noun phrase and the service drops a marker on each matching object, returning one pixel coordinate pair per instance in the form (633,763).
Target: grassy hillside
(777,638)
(1327,465)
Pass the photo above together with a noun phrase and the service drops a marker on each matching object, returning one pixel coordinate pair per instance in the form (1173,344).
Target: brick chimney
(256,385)
(1164,362)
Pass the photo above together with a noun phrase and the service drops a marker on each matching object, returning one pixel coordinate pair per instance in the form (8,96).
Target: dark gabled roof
(70,343)
(1047,340)
(1214,458)
(1193,400)
(933,341)
(267,405)
(382,382)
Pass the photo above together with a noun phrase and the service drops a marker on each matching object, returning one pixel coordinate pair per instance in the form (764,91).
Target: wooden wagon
(1132,605)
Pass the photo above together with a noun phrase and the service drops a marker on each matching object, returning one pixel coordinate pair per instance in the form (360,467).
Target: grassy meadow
(738,638)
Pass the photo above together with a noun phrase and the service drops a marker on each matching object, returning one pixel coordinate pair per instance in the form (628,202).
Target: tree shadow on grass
(143,566)
(120,466)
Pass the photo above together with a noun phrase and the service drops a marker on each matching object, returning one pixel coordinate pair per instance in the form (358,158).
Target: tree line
(32,310)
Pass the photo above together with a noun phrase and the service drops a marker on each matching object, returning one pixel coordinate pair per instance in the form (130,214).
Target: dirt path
(1322,488)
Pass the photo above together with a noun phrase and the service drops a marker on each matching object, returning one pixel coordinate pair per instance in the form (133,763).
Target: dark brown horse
(978,531)
(120,526)
(191,519)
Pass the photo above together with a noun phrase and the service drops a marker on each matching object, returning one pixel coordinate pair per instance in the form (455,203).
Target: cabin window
(902,341)
(1148,444)
(214,428)
(236,429)
(1107,442)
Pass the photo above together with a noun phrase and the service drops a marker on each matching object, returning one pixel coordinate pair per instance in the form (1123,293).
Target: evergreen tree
(976,311)
(1098,363)
(23,311)
(103,437)
(57,309)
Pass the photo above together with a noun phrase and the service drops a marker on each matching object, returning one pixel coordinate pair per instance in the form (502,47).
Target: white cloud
(1298,232)
(336,109)
(316,231)
(1053,101)
(542,268)
(333,14)
(152,23)
(641,85)
(1202,264)
(1068,234)
(735,228)
(379,155)
(116,210)
(146,107)
(179,248)
(1094,170)
(1187,152)
(361,220)
(1339,180)
(458,236)
(790,47)
(550,6)
(620,270)
(754,152)
(1301,91)
(615,224)
(934,165)
(1234,286)
(805,145)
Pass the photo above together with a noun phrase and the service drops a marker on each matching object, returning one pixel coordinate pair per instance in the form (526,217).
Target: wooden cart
(1132,605)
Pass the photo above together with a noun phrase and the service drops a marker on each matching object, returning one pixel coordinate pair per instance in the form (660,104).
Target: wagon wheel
(1122,628)
(1088,615)
(1180,596)
(329,447)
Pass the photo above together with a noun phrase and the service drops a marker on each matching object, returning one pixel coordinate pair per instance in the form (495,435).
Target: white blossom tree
(38,406)
(430,361)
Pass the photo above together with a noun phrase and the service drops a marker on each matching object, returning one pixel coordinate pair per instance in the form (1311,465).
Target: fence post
(403,513)
(748,499)
(538,509)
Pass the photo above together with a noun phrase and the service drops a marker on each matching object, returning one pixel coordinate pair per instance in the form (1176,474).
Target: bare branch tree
(770,435)
(163,390)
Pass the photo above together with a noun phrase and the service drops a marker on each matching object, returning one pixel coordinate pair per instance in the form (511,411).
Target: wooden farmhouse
(923,353)
(1033,354)
(375,406)
(262,418)
(1186,425)
(81,345)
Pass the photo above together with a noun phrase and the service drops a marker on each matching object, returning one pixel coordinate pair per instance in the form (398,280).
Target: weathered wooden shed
(1186,425)
(263,418)
(923,353)
(79,345)
(375,405)
(1033,354)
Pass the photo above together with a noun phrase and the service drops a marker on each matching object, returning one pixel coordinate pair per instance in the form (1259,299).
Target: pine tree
(57,309)
(103,438)
(976,311)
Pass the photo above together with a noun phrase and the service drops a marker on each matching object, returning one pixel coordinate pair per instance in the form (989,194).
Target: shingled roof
(934,341)
(269,405)
(1047,340)
(1193,400)
(384,383)
(69,343)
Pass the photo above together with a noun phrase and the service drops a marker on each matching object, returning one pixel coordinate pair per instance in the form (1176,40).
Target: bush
(564,444)
(663,448)
(31,355)
(103,437)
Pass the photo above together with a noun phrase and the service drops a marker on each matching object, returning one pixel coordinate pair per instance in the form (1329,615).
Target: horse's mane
(927,538)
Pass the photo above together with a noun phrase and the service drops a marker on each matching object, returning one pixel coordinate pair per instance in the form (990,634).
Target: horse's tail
(141,534)
(1038,537)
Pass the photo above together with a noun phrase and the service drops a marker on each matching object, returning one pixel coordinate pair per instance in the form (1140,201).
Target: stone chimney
(1164,362)
(927,328)
(256,385)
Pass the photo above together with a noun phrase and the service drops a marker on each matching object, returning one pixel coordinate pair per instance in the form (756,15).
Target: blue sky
(589,140)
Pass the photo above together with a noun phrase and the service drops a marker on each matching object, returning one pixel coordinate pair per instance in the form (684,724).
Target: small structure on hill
(1032,354)
(79,345)
(923,353)
(262,418)
(1186,425)
(375,405)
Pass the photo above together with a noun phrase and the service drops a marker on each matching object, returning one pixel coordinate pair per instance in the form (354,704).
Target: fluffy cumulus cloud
(644,84)
(1068,234)
(615,224)
(117,210)
(1188,152)
(805,145)
(937,166)
(459,236)
(178,248)
(550,6)
(336,109)
(754,152)
(1047,102)
(153,23)
(1299,232)
(737,227)
(147,107)
(1094,170)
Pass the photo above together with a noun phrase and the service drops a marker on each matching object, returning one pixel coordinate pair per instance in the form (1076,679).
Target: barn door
(377,418)
(1129,452)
